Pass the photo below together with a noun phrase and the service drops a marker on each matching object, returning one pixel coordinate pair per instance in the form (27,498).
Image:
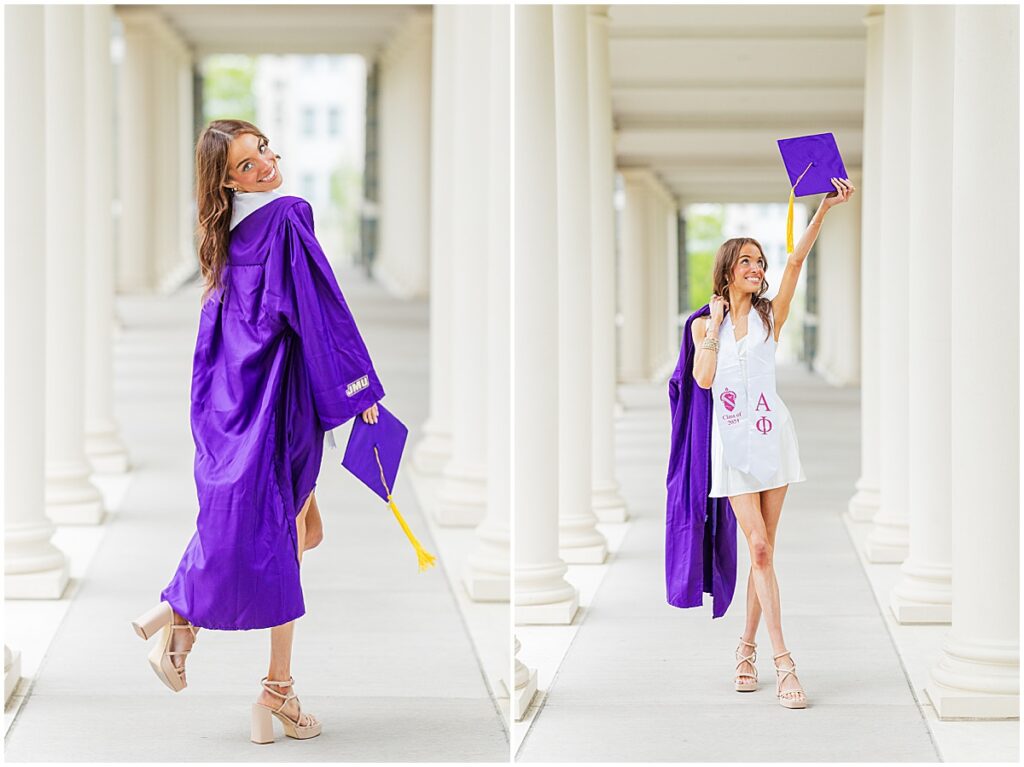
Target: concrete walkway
(644,681)
(381,656)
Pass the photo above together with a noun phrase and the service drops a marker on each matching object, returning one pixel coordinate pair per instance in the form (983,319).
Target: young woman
(734,447)
(278,363)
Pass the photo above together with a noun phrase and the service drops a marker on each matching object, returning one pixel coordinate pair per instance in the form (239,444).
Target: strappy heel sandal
(746,682)
(789,698)
(161,656)
(263,724)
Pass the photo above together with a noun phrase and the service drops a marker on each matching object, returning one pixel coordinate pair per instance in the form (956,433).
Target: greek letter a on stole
(764,423)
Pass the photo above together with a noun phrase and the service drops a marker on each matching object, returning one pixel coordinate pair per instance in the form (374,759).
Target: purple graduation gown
(277,363)
(700,532)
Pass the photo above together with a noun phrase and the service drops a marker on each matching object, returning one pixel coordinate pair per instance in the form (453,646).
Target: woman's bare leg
(758,515)
(281,640)
(771,511)
(747,508)
(314,525)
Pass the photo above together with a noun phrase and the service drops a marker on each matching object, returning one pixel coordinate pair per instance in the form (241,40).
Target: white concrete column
(488,571)
(839,248)
(542,593)
(888,539)
(103,445)
(525,684)
(925,591)
(462,494)
(866,501)
(633,277)
(174,221)
(33,567)
(162,187)
(607,502)
(186,206)
(978,675)
(578,538)
(403,259)
(136,110)
(70,497)
(665,323)
(655,305)
(673,330)
(435,448)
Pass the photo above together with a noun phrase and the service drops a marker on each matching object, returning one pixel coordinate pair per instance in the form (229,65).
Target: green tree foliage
(703,236)
(228,88)
(346,196)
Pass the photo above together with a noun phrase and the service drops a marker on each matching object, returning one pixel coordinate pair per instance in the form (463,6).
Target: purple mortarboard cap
(388,435)
(821,154)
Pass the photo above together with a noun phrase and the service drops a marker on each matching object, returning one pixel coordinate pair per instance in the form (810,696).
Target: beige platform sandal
(789,698)
(161,618)
(263,724)
(746,682)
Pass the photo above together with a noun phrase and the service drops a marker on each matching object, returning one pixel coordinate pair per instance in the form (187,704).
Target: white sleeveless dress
(728,481)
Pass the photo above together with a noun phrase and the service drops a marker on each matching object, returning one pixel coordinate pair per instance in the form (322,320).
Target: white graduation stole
(748,411)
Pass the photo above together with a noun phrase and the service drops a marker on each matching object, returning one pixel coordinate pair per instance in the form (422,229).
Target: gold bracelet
(711,343)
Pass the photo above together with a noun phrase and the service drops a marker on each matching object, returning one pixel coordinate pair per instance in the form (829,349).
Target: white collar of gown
(244,203)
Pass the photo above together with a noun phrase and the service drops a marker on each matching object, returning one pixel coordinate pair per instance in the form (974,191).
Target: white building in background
(313,109)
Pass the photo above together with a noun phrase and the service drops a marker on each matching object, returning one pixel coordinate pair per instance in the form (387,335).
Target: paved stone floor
(644,681)
(381,656)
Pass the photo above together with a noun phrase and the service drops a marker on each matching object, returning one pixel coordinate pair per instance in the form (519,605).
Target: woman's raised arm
(795,262)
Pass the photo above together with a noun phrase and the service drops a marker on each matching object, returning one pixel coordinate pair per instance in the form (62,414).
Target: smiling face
(252,167)
(748,270)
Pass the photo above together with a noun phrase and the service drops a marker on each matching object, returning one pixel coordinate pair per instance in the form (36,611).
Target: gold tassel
(424,557)
(789,213)
(789,221)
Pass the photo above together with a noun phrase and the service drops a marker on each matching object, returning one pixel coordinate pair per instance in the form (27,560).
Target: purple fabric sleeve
(309,300)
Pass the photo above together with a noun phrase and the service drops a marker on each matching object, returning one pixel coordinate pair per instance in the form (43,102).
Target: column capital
(874,15)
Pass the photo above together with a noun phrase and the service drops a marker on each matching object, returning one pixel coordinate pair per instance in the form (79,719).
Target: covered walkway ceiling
(283,29)
(701,93)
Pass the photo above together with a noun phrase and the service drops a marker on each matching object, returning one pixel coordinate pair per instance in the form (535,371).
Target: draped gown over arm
(278,362)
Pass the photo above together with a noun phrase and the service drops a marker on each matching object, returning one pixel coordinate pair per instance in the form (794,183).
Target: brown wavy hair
(213,200)
(725,259)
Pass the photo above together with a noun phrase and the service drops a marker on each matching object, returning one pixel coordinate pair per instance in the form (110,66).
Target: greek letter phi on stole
(747,409)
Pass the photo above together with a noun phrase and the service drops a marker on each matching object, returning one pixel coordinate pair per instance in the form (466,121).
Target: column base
(483,586)
(461,498)
(607,504)
(45,584)
(84,513)
(106,453)
(584,555)
(907,611)
(551,614)
(951,703)
(884,553)
(433,452)
(523,696)
(888,542)
(924,593)
(976,680)
(865,503)
(12,673)
(70,498)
